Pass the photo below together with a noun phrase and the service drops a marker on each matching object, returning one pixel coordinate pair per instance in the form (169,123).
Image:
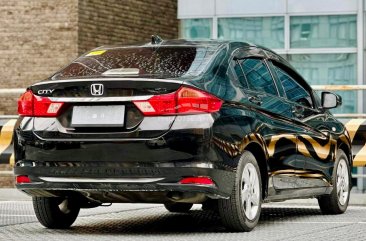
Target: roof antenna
(155,39)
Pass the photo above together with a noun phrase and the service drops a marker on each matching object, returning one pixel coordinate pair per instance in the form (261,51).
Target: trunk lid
(102,102)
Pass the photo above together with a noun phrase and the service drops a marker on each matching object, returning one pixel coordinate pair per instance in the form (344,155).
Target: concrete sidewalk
(12,194)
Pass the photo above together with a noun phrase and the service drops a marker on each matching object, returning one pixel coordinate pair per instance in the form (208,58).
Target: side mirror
(330,100)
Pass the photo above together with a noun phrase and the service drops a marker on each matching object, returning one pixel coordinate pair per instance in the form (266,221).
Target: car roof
(180,42)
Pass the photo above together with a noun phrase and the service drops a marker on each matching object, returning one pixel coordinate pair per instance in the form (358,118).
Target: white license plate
(98,116)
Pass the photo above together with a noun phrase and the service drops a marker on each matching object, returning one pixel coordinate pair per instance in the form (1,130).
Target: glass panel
(329,69)
(240,76)
(200,28)
(323,31)
(266,31)
(294,91)
(150,62)
(258,76)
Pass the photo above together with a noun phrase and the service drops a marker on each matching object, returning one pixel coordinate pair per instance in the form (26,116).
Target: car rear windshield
(156,62)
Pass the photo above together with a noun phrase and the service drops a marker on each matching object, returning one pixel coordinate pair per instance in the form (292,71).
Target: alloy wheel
(342,182)
(250,195)
(64,206)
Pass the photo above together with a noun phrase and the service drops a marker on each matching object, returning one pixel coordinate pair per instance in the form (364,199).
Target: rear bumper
(156,185)
(125,170)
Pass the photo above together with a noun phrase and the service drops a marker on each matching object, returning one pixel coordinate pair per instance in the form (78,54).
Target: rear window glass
(155,62)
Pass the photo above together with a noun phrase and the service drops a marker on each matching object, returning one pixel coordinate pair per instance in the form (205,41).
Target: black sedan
(224,124)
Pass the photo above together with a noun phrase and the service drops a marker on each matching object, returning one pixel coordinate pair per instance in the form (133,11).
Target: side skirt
(299,193)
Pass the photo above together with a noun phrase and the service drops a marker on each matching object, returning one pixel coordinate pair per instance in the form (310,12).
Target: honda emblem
(97,89)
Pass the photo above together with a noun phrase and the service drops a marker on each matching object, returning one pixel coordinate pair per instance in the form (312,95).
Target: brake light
(32,105)
(22,179)
(197,181)
(185,100)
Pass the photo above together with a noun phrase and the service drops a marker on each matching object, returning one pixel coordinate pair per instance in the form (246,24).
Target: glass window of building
(323,31)
(200,28)
(266,31)
(330,69)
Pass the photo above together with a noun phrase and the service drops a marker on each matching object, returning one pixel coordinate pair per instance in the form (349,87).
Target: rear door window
(258,76)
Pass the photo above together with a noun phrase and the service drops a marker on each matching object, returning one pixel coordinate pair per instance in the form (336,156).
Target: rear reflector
(197,181)
(22,179)
(32,105)
(25,104)
(185,100)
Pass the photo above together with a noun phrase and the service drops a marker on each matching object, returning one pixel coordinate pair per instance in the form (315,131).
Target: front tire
(337,201)
(242,210)
(55,213)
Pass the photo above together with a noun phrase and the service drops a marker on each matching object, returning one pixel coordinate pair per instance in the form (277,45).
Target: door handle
(255,100)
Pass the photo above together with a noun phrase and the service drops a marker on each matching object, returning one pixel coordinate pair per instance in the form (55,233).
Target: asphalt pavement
(290,220)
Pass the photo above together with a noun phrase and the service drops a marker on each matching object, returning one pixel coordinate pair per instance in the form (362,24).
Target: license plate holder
(98,116)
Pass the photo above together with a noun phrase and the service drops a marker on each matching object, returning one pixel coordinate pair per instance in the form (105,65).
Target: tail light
(197,181)
(22,179)
(185,100)
(32,105)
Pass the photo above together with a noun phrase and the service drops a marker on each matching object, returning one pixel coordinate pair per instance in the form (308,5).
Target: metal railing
(14,91)
(339,87)
(343,88)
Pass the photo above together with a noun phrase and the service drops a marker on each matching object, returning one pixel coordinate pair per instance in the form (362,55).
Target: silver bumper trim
(99,99)
(100,180)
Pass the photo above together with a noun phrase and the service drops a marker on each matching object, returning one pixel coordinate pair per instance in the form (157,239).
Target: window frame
(297,78)
(233,63)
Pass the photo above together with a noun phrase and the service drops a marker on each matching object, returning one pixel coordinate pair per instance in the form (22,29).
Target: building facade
(323,40)
(39,37)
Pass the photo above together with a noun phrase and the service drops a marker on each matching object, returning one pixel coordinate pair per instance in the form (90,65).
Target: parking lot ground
(279,221)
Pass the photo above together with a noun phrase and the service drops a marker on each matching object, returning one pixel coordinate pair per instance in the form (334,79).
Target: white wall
(222,8)
(320,6)
(249,7)
(196,8)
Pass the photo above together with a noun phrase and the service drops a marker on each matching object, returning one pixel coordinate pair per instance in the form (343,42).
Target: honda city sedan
(225,124)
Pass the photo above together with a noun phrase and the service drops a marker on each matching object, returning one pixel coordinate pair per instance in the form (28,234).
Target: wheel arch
(261,157)
(348,151)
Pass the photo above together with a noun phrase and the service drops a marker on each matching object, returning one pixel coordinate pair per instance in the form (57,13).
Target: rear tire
(337,201)
(178,207)
(55,213)
(210,205)
(242,210)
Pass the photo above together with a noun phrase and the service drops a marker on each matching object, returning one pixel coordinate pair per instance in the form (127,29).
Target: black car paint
(295,148)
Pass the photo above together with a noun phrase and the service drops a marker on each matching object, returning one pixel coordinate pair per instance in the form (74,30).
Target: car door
(315,145)
(275,116)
